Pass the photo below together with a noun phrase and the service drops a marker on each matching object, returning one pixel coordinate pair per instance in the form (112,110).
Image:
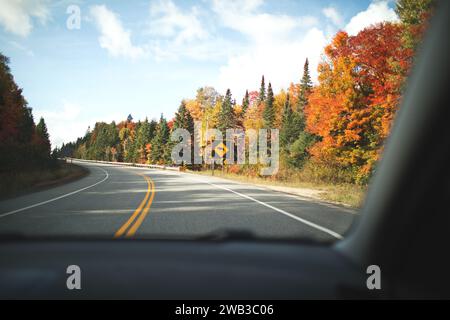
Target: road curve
(115,201)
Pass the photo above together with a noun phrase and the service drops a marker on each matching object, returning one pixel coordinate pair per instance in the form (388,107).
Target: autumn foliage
(360,86)
(335,128)
(23,144)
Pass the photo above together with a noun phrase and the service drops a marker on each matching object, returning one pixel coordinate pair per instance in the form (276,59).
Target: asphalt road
(115,201)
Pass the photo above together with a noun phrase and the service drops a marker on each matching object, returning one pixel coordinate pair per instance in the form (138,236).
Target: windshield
(174,119)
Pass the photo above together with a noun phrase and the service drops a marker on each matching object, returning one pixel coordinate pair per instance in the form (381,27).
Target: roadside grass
(343,193)
(17,183)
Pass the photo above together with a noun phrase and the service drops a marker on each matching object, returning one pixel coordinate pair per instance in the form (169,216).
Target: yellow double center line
(136,219)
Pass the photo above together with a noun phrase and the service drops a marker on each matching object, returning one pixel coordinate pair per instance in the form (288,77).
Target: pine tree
(305,87)
(189,123)
(146,132)
(152,130)
(412,12)
(245,102)
(262,92)
(160,150)
(297,139)
(269,110)
(25,123)
(132,147)
(180,115)
(286,132)
(226,117)
(144,135)
(298,150)
(103,138)
(44,139)
(183,119)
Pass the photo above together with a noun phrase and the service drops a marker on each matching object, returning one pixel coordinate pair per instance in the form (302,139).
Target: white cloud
(178,33)
(377,11)
(214,49)
(244,6)
(192,32)
(167,20)
(243,16)
(332,14)
(71,122)
(280,65)
(277,46)
(113,37)
(16,16)
(62,125)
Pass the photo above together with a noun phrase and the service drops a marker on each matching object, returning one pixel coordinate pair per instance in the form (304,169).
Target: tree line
(24,145)
(338,125)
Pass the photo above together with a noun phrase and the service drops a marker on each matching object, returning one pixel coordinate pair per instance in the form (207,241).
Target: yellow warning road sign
(221,149)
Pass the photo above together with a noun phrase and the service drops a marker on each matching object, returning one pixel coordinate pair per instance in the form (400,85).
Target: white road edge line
(290,215)
(57,198)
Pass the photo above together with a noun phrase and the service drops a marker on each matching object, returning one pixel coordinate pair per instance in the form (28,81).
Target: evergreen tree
(144,135)
(298,123)
(44,139)
(104,136)
(179,121)
(160,150)
(293,137)
(152,129)
(189,123)
(183,119)
(149,130)
(245,102)
(298,150)
(25,123)
(298,116)
(305,87)
(287,130)
(140,133)
(113,134)
(262,92)
(269,109)
(226,117)
(411,12)
(41,130)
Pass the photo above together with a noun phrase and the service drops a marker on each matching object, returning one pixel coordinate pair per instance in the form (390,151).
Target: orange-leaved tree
(360,85)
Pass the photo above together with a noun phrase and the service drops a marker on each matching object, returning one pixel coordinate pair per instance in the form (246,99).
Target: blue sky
(142,57)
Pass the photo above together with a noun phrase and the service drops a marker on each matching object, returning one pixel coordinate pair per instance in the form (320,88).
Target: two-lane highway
(115,201)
